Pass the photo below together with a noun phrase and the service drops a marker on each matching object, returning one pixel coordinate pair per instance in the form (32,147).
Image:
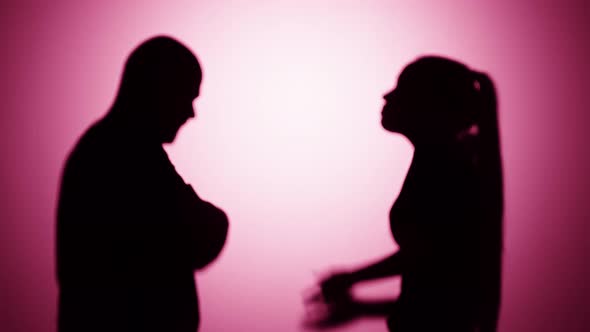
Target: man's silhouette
(130,232)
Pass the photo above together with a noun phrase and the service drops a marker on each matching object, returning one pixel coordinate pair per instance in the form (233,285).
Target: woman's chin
(387,125)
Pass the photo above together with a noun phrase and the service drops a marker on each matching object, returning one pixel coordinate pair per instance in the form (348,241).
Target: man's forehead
(196,87)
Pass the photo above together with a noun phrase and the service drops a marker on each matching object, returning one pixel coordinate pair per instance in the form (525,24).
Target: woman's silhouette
(447,219)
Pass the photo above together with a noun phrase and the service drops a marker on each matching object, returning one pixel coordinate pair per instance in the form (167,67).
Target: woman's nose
(389,97)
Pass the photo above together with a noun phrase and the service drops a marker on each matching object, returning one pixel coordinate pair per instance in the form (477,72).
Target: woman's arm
(388,266)
(337,285)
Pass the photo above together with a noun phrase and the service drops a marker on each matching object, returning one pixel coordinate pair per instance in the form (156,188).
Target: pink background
(287,141)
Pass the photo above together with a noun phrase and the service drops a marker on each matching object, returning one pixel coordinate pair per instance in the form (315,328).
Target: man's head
(160,81)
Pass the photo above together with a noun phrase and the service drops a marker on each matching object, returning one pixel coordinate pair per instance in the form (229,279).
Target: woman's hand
(336,287)
(331,303)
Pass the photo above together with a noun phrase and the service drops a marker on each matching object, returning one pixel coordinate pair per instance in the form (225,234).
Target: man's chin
(169,139)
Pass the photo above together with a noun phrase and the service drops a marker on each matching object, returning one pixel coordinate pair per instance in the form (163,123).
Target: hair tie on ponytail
(477,85)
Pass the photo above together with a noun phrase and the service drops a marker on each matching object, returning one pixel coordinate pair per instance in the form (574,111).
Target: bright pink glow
(287,141)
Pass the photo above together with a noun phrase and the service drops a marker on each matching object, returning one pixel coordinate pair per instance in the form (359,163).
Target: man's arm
(206,226)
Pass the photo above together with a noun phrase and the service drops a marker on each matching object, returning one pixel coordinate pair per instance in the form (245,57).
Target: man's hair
(156,66)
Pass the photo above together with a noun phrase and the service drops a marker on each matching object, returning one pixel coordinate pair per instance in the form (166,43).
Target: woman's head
(435,100)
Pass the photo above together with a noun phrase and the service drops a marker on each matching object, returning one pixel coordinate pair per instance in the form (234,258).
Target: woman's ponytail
(489,143)
(491,202)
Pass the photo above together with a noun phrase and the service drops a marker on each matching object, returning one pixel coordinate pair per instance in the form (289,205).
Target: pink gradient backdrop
(287,140)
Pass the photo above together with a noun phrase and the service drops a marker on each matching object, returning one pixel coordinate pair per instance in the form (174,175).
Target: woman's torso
(434,221)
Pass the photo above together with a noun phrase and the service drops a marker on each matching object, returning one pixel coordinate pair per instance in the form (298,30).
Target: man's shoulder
(96,148)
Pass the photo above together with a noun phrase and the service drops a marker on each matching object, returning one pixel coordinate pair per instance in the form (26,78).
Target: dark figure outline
(447,220)
(130,231)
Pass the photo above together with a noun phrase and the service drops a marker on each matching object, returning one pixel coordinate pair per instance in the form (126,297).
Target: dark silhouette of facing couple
(131,232)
